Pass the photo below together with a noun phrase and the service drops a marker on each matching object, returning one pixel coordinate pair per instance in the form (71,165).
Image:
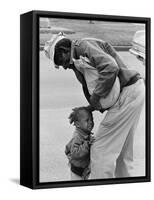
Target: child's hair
(74,116)
(63,45)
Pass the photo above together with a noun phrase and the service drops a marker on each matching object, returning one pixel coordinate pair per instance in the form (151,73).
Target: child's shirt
(78,151)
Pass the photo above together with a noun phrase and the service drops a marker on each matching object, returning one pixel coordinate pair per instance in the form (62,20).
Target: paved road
(59,93)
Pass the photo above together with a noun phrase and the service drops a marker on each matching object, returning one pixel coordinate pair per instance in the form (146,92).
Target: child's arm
(79,149)
(67,150)
(68,147)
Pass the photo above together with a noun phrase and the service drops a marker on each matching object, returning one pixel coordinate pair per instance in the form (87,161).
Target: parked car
(138,45)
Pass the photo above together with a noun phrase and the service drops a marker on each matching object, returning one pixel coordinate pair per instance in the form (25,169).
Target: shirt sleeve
(80,148)
(106,67)
(111,51)
(68,147)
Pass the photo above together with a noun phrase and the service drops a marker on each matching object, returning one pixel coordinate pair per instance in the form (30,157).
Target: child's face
(85,121)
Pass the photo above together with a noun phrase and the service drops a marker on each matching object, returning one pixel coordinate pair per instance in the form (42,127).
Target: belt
(133,80)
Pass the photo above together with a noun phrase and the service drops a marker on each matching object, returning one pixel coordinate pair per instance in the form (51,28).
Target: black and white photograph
(76,100)
(92,116)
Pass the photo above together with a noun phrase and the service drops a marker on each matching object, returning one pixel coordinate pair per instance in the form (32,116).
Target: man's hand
(94,100)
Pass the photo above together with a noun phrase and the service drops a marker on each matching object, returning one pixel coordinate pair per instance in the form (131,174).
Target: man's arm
(86,93)
(106,67)
(111,51)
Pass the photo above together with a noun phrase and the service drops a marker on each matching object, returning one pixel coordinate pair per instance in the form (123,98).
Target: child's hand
(92,139)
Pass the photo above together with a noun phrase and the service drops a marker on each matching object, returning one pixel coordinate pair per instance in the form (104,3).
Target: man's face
(85,121)
(65,60)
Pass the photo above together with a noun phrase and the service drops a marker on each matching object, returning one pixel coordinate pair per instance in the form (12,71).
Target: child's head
(82,118)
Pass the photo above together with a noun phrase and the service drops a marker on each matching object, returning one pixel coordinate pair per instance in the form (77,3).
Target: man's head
(58,49)
(62,53)
(82,118)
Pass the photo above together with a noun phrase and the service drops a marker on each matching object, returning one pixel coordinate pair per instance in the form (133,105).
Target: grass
(118,34)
